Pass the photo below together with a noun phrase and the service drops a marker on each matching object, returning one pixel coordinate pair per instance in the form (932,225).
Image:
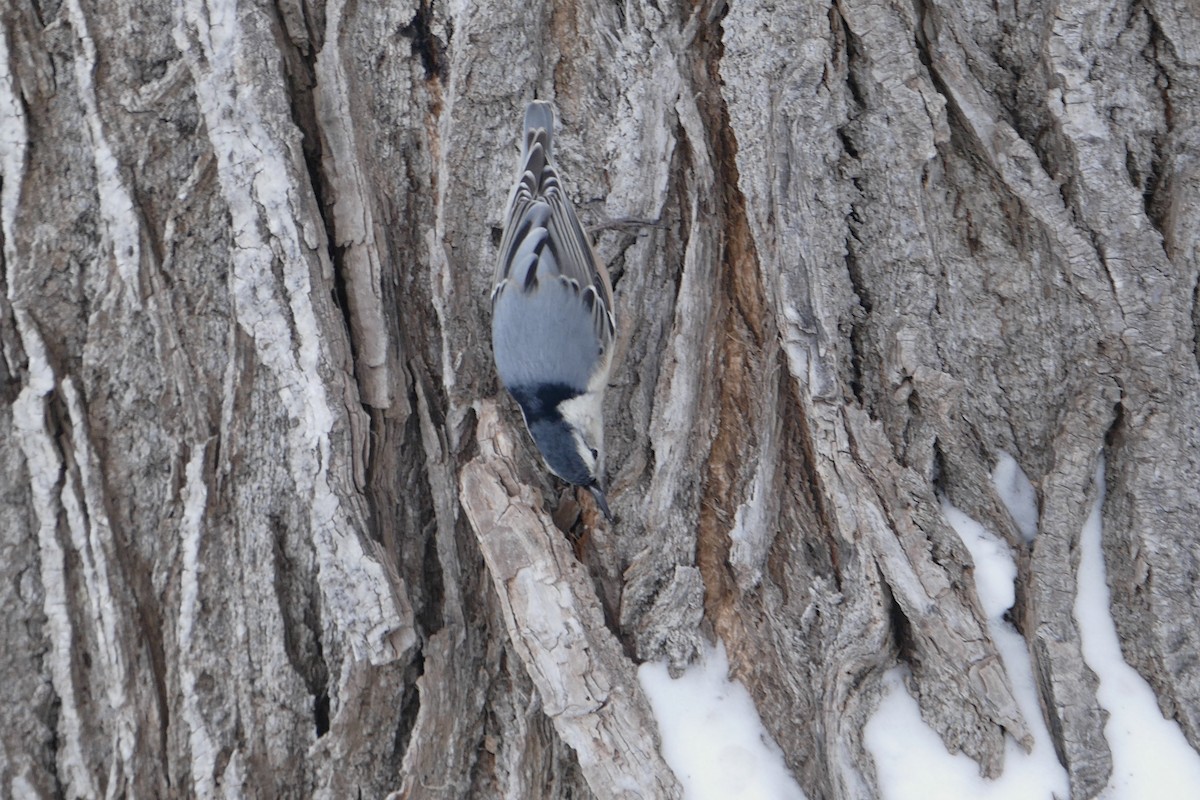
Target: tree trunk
(270,526)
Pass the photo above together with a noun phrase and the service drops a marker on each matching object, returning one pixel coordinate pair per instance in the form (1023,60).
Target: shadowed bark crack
(263,501)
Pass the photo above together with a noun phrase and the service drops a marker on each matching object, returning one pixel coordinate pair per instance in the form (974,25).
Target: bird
(553,325)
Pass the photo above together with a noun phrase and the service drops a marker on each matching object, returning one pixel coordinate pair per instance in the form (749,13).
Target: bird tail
(539,124)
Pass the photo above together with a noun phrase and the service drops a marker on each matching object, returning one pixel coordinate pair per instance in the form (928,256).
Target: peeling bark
(270,528)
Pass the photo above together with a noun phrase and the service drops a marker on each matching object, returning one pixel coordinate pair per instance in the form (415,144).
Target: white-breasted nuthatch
(552,320)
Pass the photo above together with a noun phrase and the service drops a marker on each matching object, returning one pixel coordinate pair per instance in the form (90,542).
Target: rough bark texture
(269,528)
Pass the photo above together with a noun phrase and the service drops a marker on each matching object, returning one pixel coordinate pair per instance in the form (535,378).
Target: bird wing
(543,238)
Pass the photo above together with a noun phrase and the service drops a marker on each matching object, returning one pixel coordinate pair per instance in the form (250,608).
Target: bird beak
(601,500)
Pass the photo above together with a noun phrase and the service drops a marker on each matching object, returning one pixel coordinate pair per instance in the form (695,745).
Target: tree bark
(270,526)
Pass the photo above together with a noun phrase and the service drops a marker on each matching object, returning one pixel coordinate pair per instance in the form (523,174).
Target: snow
(910,759)
(1150,756)
(912,762)
(712,736)
(1018,495)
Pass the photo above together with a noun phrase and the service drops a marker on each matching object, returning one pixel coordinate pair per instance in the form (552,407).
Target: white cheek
(585,453)
(585,414)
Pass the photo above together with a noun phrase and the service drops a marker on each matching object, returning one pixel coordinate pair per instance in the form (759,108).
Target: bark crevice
(265,503)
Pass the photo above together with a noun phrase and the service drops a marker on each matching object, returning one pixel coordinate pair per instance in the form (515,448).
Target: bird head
(568,430)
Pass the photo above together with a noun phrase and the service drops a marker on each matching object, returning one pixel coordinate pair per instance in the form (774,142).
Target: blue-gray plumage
(552,321)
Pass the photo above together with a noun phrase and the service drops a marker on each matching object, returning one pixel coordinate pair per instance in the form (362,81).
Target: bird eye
(595,454)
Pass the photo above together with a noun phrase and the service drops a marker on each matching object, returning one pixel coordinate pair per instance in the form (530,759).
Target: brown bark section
(268,524)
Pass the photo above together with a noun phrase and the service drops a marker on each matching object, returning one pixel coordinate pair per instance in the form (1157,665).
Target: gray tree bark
(269,526)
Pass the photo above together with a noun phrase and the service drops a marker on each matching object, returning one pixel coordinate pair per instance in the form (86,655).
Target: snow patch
(712,737)
(1151,758)
(1018,495)
(995,569)
(911,761)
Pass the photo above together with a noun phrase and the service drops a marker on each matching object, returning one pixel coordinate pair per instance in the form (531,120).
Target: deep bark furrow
(272,528)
